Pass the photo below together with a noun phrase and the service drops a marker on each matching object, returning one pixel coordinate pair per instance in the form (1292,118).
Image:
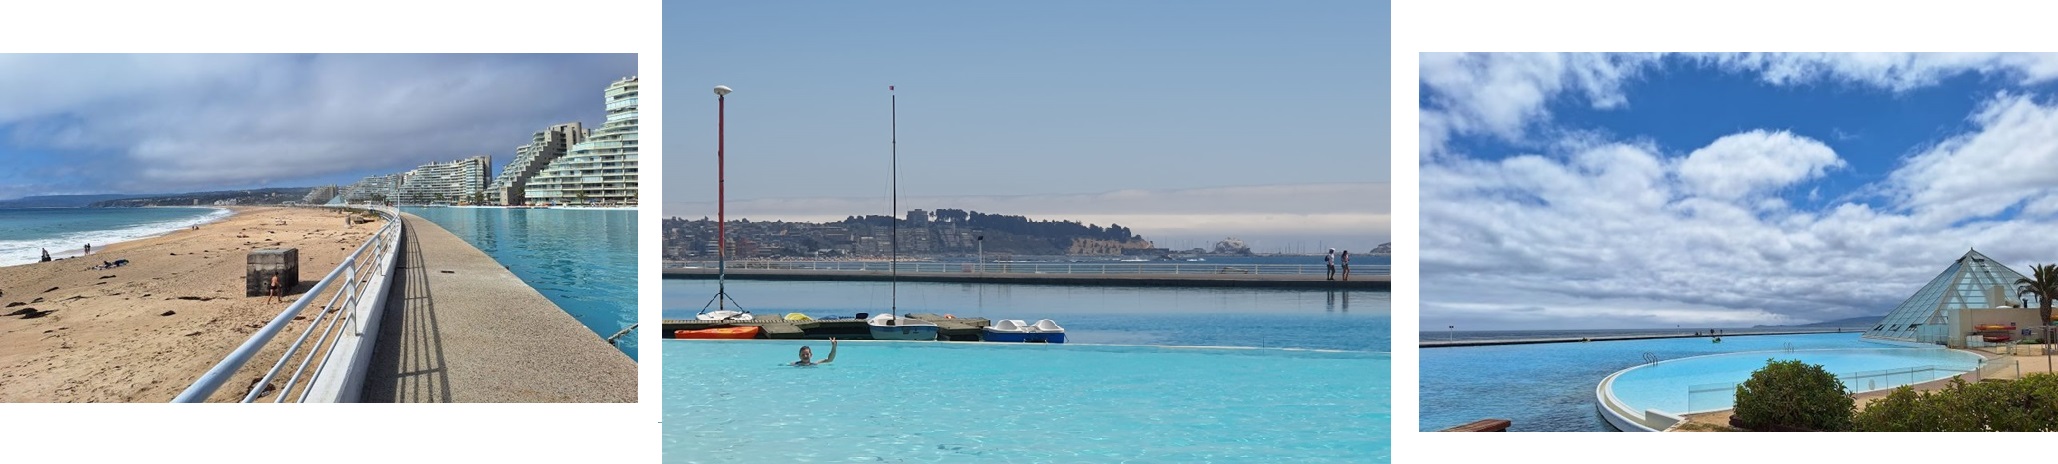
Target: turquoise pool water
(583,260)
(1665,386)
(1550,387)
(733,401)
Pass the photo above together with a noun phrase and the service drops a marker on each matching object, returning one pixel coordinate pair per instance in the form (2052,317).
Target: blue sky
(168,123)
(1709,190)
(1043,108)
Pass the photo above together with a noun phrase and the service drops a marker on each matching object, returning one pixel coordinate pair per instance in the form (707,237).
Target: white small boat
(888,327)
(725,315)
(1047,331)
(1007,330)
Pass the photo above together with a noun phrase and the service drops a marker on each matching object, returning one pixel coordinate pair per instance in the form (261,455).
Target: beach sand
(145,331)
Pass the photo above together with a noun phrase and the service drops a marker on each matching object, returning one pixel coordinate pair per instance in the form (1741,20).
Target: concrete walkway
(459,328)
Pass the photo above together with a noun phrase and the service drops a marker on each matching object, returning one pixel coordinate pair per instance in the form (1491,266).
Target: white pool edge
(1624,417)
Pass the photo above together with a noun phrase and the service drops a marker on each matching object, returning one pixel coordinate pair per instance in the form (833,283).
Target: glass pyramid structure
(1973,282)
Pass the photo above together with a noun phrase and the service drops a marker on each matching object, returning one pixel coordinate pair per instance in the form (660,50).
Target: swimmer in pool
(807,355)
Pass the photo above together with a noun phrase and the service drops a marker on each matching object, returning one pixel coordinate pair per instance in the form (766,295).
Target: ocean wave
(16,252)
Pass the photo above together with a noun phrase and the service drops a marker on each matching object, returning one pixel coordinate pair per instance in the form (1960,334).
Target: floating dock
(1294,281)
(962,329)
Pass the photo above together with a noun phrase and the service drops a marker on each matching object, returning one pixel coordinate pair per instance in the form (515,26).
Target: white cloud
(1750,163)
(1619,234)
(1503,94)
(2009,160)
(154,123)
(1897,72)
(1506,95)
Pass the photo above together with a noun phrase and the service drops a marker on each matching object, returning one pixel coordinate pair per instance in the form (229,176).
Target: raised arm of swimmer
(807,355)
(832,352)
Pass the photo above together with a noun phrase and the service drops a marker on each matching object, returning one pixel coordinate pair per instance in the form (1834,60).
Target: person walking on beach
(1346,264)
(89,248)
(1330,260)
(278,295)
(807,355)
(46,255)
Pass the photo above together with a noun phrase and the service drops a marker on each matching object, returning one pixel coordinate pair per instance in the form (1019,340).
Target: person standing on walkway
(1346,264)
(1330,260)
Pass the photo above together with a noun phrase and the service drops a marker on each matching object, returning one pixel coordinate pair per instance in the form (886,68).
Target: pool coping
(1623,417)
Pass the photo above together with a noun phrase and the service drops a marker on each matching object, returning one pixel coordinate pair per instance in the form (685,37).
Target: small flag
(889,88)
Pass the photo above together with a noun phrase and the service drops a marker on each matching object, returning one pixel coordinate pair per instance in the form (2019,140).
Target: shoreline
(144,331)
(125,235)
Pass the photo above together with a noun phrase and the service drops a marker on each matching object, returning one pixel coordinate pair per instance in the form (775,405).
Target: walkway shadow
(408,365)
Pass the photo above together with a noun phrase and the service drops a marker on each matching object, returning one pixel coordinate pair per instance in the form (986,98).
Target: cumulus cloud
(1630,234)
(1270,217)
(2010,159)
(1503,94)
(152,123)
(1507,95)
(1740,165)
(1897,72)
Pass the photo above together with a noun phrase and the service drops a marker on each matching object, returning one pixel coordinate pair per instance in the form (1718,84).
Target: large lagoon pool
(584,260)
(1550,387)
(1708,383)
(734,401)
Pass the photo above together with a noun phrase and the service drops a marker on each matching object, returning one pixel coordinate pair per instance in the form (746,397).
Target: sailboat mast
(721,202)
(893,261)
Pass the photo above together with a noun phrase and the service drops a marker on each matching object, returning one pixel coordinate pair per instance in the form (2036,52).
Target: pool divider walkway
(1610,338)
(1293,281)
(460,328)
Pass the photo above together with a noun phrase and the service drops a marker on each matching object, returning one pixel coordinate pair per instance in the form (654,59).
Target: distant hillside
(63,201)
(1384,249)
(1862,321)
(946,232)
(269,196)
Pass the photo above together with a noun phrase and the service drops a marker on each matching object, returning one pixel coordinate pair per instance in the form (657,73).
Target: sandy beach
(144,331)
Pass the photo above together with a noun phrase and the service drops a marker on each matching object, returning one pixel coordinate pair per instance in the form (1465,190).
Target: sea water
(26,232)
(1550,386)
(1305,378)
(584,260)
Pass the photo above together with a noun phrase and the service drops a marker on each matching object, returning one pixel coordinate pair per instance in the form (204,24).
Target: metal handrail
(1184,268)
(358,264)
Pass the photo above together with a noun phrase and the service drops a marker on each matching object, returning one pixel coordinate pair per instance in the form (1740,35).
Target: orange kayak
(718,333)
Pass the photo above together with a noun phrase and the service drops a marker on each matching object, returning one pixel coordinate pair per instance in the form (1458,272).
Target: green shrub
(1791,395)
(2026,405)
